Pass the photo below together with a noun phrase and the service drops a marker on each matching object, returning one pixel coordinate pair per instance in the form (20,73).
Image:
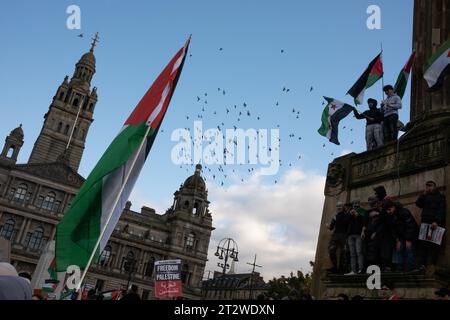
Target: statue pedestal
(402,168)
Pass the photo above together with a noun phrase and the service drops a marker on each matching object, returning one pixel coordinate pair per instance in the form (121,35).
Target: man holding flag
(390,107)
(85,229)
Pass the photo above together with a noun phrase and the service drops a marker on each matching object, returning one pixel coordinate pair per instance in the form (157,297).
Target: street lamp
(227,248)
(130,268)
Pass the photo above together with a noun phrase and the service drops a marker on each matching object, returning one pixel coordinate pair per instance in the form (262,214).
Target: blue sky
(325,44)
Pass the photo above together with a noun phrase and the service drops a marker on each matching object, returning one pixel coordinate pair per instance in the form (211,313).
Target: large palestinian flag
(437,67)
(402,80)
(333,113)
(371,75)
(101,199)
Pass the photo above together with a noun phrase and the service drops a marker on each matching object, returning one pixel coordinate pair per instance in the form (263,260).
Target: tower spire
(95,39)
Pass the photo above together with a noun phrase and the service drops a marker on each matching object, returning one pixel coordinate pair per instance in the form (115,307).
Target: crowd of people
(17,286)
(382,125)
(385,234)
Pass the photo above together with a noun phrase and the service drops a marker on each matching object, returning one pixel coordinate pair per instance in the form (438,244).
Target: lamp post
(129,267)
(227,248)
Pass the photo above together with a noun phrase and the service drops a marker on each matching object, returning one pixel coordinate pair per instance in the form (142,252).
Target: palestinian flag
(437,67)
(333,113)
(52,270)
(50,285)
(98,205)
(111,295)
(402,80)
(371,75)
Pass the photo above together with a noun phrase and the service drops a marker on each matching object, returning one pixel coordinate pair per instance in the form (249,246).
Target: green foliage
(292,287)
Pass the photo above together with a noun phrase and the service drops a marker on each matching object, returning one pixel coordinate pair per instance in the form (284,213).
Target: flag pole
(116,200)
(75,123)
(382,75)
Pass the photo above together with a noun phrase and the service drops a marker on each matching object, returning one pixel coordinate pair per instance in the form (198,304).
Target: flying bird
(80,35)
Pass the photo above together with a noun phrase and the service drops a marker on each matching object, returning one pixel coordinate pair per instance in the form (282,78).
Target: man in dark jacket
(339,223)
(354,238)
(404,230)
(374,129)
(432,203)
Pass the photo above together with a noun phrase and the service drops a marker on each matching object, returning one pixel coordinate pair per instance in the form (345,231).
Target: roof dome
(195,181)
(88,58)
(17,132)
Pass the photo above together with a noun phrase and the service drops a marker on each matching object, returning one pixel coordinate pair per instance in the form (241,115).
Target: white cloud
(278,222)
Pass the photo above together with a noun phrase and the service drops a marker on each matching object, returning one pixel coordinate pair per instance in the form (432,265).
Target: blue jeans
(399,256)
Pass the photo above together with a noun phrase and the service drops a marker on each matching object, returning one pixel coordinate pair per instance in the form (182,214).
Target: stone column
(36,194)
(119,255)
(8,186)
(27,227)
(21,231)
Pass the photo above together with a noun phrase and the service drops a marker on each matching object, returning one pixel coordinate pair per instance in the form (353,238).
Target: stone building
(234,286)
(422,154)
(35,195)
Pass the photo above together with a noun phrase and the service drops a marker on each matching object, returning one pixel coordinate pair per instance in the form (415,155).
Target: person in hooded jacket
(374,128)
(404,231)
(432,203)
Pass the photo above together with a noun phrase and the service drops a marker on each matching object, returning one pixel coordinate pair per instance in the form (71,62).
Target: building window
(59,127)
(149,267)
(10,152)
(91,106)
(66,130)
(19,195)
(7,230)
(48,202)
(61,95)
(128,262)
(76,102)
(34,240)
(189,241)
(196,209)
(105,257)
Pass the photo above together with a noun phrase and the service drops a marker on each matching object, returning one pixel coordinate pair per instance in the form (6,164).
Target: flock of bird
(232,116)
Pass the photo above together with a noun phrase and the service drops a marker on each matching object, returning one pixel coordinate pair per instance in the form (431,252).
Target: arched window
(76,102)
(61,95)
(75,132)
(7,230)
(66,130)
(128,262)
(34,240)
(10,152)
(149,267)
(59,127)
(189,241)
(195,210)
(91,106)
(105,257)
(186,204)
(19,195)
(48,202)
